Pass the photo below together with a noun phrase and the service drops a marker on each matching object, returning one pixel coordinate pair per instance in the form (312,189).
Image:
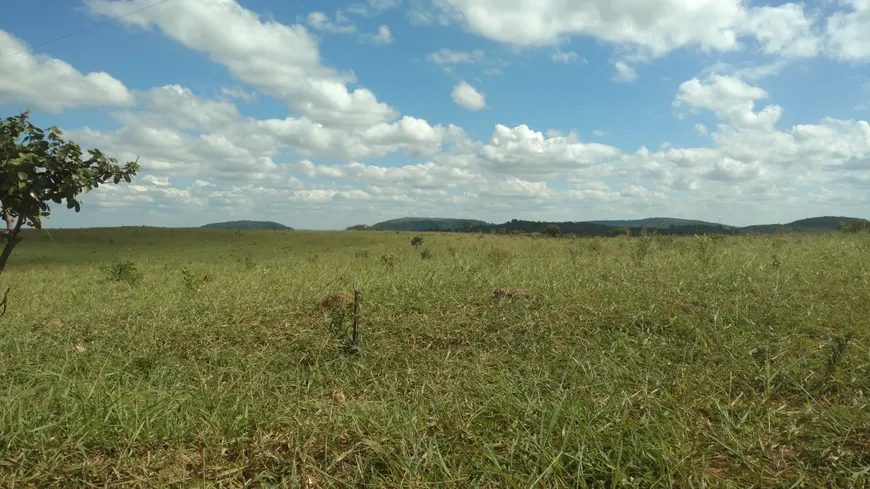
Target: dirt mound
(336,300)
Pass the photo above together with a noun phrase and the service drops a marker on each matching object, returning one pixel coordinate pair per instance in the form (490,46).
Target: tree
(468,225)
(553,231)
(417,241)
(37,167)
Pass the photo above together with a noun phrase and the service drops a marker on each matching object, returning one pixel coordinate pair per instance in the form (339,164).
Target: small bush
(361,254)
(122,271)
(426,254)
(623,231)
(193,281)
(388,259)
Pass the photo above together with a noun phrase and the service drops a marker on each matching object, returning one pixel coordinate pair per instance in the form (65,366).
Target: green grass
(660,362)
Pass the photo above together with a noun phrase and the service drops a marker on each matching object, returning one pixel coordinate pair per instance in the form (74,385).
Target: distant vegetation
(250,225)
(426,224)
(661,225)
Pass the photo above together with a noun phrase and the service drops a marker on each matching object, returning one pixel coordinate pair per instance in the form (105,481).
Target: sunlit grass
(630,362)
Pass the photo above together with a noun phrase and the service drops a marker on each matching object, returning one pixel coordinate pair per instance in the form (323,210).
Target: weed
(361,254)
(122,271)
(426,254)
(388,259)
(193,281)
(642,245)
(704,246)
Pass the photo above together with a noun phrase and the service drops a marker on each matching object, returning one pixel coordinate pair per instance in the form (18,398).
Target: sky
(322,114)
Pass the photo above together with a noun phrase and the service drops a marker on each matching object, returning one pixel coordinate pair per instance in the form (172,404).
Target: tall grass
(667,362)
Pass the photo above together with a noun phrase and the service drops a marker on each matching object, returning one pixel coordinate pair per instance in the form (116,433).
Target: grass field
(632,362)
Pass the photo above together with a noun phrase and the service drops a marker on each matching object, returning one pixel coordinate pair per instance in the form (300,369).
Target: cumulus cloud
(468,97)
(53,85)
(847,35)
(784,30)
(730,98)
(280,60)
(320,164)
(523,151)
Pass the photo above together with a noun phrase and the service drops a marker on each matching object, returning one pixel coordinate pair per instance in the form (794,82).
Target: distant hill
(811,224)
(669,225)
(566,227)
(652,222)
(424,224)
(248,225)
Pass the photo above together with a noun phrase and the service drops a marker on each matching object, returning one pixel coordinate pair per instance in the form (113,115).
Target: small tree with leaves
(416,242)
(553,231)
(37,166)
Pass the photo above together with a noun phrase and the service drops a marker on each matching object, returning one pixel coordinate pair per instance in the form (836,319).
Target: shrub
(623,231)
(193,281)
(552,231)
(388,259)
(122,271)
(426,254)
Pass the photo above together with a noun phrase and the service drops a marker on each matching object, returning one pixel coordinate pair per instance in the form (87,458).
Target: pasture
(628,362)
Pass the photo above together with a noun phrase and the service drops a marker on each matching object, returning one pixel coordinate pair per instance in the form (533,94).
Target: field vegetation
(142,357)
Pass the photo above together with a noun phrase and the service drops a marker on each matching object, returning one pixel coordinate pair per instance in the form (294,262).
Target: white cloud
(468,97)
(277,167)
(381,38)
(239,93)
(654,28)
(784,30)
(321,22)
(280,60)
(732,99)
(624,73)
(523,151)
(748,71)
(372,7)
(847,35)
(53,85)
(565,56)
(446,56)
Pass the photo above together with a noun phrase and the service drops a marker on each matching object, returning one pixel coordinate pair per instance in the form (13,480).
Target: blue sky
(324,114)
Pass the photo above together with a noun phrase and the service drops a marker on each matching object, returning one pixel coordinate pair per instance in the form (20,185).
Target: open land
(175,357)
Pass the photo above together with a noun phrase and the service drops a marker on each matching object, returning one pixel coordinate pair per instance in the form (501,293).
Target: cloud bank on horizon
(353,112)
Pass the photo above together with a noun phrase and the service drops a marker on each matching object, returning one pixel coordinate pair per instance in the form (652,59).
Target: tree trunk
(12,237)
